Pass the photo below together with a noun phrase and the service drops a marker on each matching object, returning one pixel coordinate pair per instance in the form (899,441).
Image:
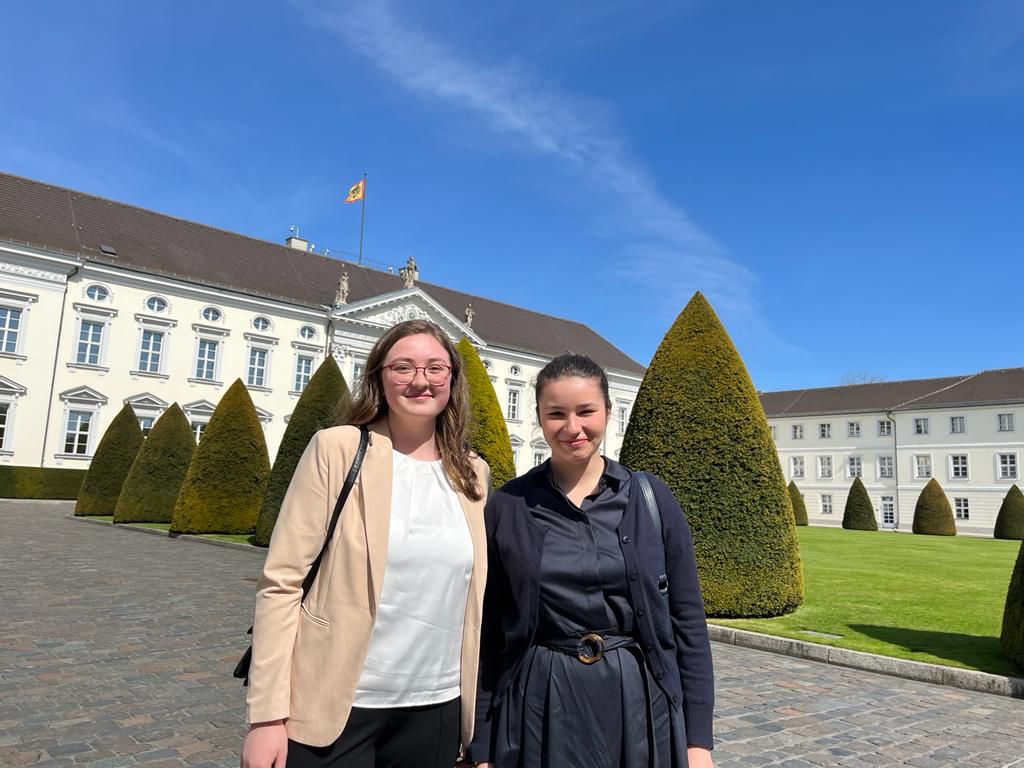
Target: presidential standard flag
(356,191)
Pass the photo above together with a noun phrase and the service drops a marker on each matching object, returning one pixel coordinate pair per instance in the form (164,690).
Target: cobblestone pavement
(116,649)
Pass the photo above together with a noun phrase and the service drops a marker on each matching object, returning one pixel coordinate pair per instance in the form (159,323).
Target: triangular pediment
(389,309)
(83,395)
(264,414)
(11,388)
(146,401)
(199,408)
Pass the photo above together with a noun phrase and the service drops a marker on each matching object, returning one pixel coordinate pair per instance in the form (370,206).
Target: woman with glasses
(377,666)
(595,647)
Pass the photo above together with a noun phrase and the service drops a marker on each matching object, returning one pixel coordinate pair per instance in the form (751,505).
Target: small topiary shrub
(859,515)
(110,465)
(155,478)
(40,482)
(1010,520)
(1012,636)
(698,424)
(489,435)
(224,485)
(797,500)
(323,403)
(932,514)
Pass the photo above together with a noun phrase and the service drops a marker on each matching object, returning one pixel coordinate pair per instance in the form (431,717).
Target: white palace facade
(103,304)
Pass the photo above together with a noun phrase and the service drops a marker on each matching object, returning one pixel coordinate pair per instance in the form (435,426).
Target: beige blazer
(307,657)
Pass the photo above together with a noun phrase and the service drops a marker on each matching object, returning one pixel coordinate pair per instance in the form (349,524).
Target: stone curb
(938,674)
(261,551)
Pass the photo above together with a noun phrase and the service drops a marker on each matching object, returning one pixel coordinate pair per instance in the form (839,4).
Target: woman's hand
(698,757)
(265,745)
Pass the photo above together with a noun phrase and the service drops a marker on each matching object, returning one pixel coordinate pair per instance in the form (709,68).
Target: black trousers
(403,737)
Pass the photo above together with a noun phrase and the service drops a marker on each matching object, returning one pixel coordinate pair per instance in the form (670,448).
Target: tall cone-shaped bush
(697,423)
(859,514)
(488,433)
(932,514)
(324,402)
(110,465)
(1012,636)
(155,478)
(224,485)
(1010,520)
(797,500)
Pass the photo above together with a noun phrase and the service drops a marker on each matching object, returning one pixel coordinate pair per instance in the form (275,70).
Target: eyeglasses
(404,373)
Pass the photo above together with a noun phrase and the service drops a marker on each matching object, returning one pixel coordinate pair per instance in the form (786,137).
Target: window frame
(953,468)
(891,462)
(514,404)
(915,466)
(793,475)
(961,508)
(797,432)
(1013,464)
(825,430)
(958,420)
(296,373)
(885,428)
(922,425)
(1010,421)
(853,429)
(827,507)
(821,467)
(156,296)
(849,466)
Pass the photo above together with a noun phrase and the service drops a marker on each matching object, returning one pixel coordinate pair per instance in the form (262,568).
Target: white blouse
(416,646)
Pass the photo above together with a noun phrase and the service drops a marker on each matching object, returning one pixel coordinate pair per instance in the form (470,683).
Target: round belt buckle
(591,648)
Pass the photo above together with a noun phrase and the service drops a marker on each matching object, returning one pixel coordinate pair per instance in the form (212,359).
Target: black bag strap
(651,502)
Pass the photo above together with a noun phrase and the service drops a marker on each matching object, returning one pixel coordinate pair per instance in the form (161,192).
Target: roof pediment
(11,388)
(199,408)
(83,395)
(392,308)
(146,400)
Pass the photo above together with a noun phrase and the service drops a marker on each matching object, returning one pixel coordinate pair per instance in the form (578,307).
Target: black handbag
(242,668)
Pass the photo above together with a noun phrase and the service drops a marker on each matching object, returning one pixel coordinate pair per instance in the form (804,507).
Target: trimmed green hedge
(488,433)
(40,482)
(1010,520)
(932,514)
(1012,636)
(859,514)
(224,485)
(110,465)
(155,478)
(324,402)
(797,500)
(698,424)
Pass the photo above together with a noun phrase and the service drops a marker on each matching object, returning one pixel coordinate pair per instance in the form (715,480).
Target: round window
(156,304)
(307,332)
(212,314)
(97,293)
(514,370)
(487,364)
(261,323)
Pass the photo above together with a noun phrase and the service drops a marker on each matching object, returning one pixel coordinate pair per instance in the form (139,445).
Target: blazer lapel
(375,482)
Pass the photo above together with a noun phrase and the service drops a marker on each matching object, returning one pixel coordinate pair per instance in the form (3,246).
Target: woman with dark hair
(377,665)
(595,648)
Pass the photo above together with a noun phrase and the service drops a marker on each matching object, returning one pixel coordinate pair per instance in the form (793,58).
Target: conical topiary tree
(697,423)
(1010,520)
(859,514)
(489,435)
(324,402)
(1012,635)
(110,465)
(155,479)
(797,500)
(932,514)
(224,485)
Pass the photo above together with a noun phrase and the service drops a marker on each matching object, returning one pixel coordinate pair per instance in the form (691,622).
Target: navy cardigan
(672,632)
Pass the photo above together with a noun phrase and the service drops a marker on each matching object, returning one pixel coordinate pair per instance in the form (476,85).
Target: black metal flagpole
(362,221)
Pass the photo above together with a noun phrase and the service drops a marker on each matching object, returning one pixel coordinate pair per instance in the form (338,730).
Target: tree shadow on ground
(976,651)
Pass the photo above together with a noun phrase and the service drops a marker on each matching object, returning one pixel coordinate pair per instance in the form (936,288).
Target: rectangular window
(774,430)
(303,372)
(206,360)
(5,409)
(1005,422)
(623,419)
(854,467)
(198,429)
(961,508)
(798,431)
(257,373)
(90,338)
(824,466)
(538,458)
(357,374)
(826,503)
(76,436)
(150,351)
(958,466)
(824,431)
(853,429)
(922,467)
(884,467)
(920,426)
(1007,466)
(512,412)
(957,425)
(888,511)
(10,326)
(146,425)
(796,466)
(884,428)
(515,455)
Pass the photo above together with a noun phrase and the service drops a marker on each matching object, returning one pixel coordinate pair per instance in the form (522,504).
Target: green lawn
(928,598)
(238,538)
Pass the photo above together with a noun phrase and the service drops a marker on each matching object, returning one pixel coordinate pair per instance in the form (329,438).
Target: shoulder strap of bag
(651,502)
(350,479)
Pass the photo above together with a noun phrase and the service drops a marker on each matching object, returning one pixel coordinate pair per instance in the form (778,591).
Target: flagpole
(362,221)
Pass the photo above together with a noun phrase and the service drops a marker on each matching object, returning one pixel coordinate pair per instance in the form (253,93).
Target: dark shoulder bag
(242,668)
(652,509)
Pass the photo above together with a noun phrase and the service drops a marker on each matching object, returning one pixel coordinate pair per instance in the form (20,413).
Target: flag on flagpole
(356,191)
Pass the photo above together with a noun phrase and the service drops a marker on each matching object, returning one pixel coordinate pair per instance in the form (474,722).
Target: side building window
(303,372)
(10,329)
(76,433)
(512,406)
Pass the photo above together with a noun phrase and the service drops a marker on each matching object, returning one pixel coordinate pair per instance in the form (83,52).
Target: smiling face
(573,418)
(417,399)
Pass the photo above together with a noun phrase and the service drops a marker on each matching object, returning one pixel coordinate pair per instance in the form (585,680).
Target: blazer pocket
(304,612)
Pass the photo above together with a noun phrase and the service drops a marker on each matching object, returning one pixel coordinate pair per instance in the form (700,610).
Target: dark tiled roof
(985,388)
(60,218)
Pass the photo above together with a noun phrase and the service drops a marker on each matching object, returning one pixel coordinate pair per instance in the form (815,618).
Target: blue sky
(842,180)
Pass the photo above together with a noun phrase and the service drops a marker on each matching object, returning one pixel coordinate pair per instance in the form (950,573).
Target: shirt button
(649,646)
(675,699)
(659,675)
(640,611)
(632,575)
(625,539)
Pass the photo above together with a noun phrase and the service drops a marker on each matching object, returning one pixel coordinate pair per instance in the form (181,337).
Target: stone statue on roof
(410,273)
(341,295)
(470,314)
